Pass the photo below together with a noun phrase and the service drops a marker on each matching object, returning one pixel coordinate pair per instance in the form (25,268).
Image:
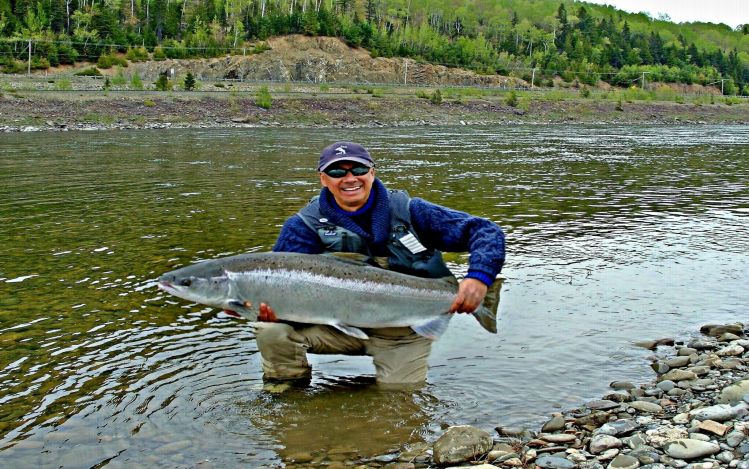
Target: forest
(537,40)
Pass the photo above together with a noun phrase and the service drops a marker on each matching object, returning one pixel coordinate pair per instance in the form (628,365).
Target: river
(615,234)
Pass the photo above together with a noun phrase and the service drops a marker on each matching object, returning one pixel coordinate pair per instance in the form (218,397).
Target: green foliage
(88,72)
(109,61)
(619,106)
(263,98)
(162,83)
(189,83)
(135,81)
(436,97)
(63,84)
(149,103)
(585,92)
(119,77)
(137,54)
(511,99)
(159,54)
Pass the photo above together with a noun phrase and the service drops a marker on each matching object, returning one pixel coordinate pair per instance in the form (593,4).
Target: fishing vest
(406,254)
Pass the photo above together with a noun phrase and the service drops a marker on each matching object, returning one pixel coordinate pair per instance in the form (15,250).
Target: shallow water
(615,234)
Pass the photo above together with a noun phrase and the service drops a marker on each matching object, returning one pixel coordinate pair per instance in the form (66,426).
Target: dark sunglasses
(340,172)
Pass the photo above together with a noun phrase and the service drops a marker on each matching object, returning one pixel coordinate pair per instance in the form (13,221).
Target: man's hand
(471,293)
(266,314)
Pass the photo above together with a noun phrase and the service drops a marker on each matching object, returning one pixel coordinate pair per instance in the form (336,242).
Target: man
(356,213)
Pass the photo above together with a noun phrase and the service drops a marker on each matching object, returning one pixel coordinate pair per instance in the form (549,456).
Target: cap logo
(340,150)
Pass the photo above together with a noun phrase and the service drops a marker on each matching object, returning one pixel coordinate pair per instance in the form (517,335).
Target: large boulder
(461,443)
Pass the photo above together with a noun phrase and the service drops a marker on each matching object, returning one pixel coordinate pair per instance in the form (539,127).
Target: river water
(615,234)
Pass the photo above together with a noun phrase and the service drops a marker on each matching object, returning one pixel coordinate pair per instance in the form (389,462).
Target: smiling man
(356,213)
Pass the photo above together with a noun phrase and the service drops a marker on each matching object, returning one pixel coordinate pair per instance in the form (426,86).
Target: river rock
(713,427)
(554,462)
(687,448)
(716,330)
(678,362)
(624,461)
(558,437)
(644,406)
(621,385)
(734,438)
(678,374)
(719,412)
(602,404)
(461,443)
(555,423)
(735,392)
(618,427)
(703,344)
(659,436)
(601,442)
(686,351)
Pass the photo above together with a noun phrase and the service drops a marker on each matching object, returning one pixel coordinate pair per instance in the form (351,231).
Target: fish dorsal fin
(353,258)
(351,330)
(434,327)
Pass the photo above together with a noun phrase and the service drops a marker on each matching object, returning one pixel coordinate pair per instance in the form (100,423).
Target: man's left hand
(471,293)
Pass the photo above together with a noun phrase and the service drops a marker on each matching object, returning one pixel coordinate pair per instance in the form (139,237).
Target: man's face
(350,192)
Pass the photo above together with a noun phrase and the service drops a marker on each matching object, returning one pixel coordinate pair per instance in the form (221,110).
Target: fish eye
(185,282)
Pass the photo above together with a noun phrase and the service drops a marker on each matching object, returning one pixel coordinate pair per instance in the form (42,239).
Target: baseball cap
(344,151)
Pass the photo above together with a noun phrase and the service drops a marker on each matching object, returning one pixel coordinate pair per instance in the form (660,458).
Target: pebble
(602,442)
(719,413)
(624,461)
(554,424)
(554,462)
(687,448)
(644,406)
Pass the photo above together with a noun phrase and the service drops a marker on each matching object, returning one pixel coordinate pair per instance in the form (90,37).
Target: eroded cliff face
(321,60)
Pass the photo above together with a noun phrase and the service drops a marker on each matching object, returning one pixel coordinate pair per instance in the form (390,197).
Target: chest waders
(406,254)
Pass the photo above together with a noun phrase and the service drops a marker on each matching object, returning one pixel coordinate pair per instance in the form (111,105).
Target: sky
(730,12)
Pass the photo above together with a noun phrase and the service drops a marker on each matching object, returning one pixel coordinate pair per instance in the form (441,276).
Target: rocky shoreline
(31,111)
(693,415)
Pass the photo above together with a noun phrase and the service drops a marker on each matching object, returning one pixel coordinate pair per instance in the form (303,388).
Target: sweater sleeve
(454,231)
(296,236)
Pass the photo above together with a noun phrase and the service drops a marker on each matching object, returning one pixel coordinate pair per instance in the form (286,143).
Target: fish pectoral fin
(433,328)
(351,330)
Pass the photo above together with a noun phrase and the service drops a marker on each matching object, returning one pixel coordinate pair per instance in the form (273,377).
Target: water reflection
(615,234)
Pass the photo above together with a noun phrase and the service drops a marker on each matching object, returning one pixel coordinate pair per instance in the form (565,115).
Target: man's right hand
(266,314)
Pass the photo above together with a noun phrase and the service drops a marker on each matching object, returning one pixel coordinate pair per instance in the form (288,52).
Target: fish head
(206,284)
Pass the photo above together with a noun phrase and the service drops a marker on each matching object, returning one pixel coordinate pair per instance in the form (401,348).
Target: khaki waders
(399,354)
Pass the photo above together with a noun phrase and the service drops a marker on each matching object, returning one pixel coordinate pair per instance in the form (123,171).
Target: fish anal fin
(434,327)
(351,330)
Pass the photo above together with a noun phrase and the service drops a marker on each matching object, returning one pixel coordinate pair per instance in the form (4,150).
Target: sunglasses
(340,172)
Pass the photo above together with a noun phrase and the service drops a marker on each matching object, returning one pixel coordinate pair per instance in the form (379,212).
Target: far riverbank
(32,110)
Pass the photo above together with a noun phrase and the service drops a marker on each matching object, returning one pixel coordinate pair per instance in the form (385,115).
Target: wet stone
(644,406)
(703,344)
(554,462)
(461,443)
(618,427)
(678,374)
(666,385)
(686,448)
(621,385)
(686,351)
(554,424)
(602,405)
(718,413)
(678,362)
(624,461)
(735,438)
(601,442)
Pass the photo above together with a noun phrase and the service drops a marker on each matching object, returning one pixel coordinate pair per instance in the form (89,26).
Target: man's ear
(322,180)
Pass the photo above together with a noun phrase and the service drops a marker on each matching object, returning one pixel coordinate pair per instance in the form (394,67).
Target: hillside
(542,41)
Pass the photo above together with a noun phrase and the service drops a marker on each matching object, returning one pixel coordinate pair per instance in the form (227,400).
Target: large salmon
(339,290)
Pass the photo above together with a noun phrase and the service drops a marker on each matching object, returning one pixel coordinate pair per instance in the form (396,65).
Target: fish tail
(486,314)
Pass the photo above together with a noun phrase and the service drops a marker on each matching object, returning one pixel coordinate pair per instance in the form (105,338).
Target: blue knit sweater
(437,227)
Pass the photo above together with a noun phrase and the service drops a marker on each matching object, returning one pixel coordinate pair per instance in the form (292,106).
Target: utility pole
(28,71)
(643,79)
